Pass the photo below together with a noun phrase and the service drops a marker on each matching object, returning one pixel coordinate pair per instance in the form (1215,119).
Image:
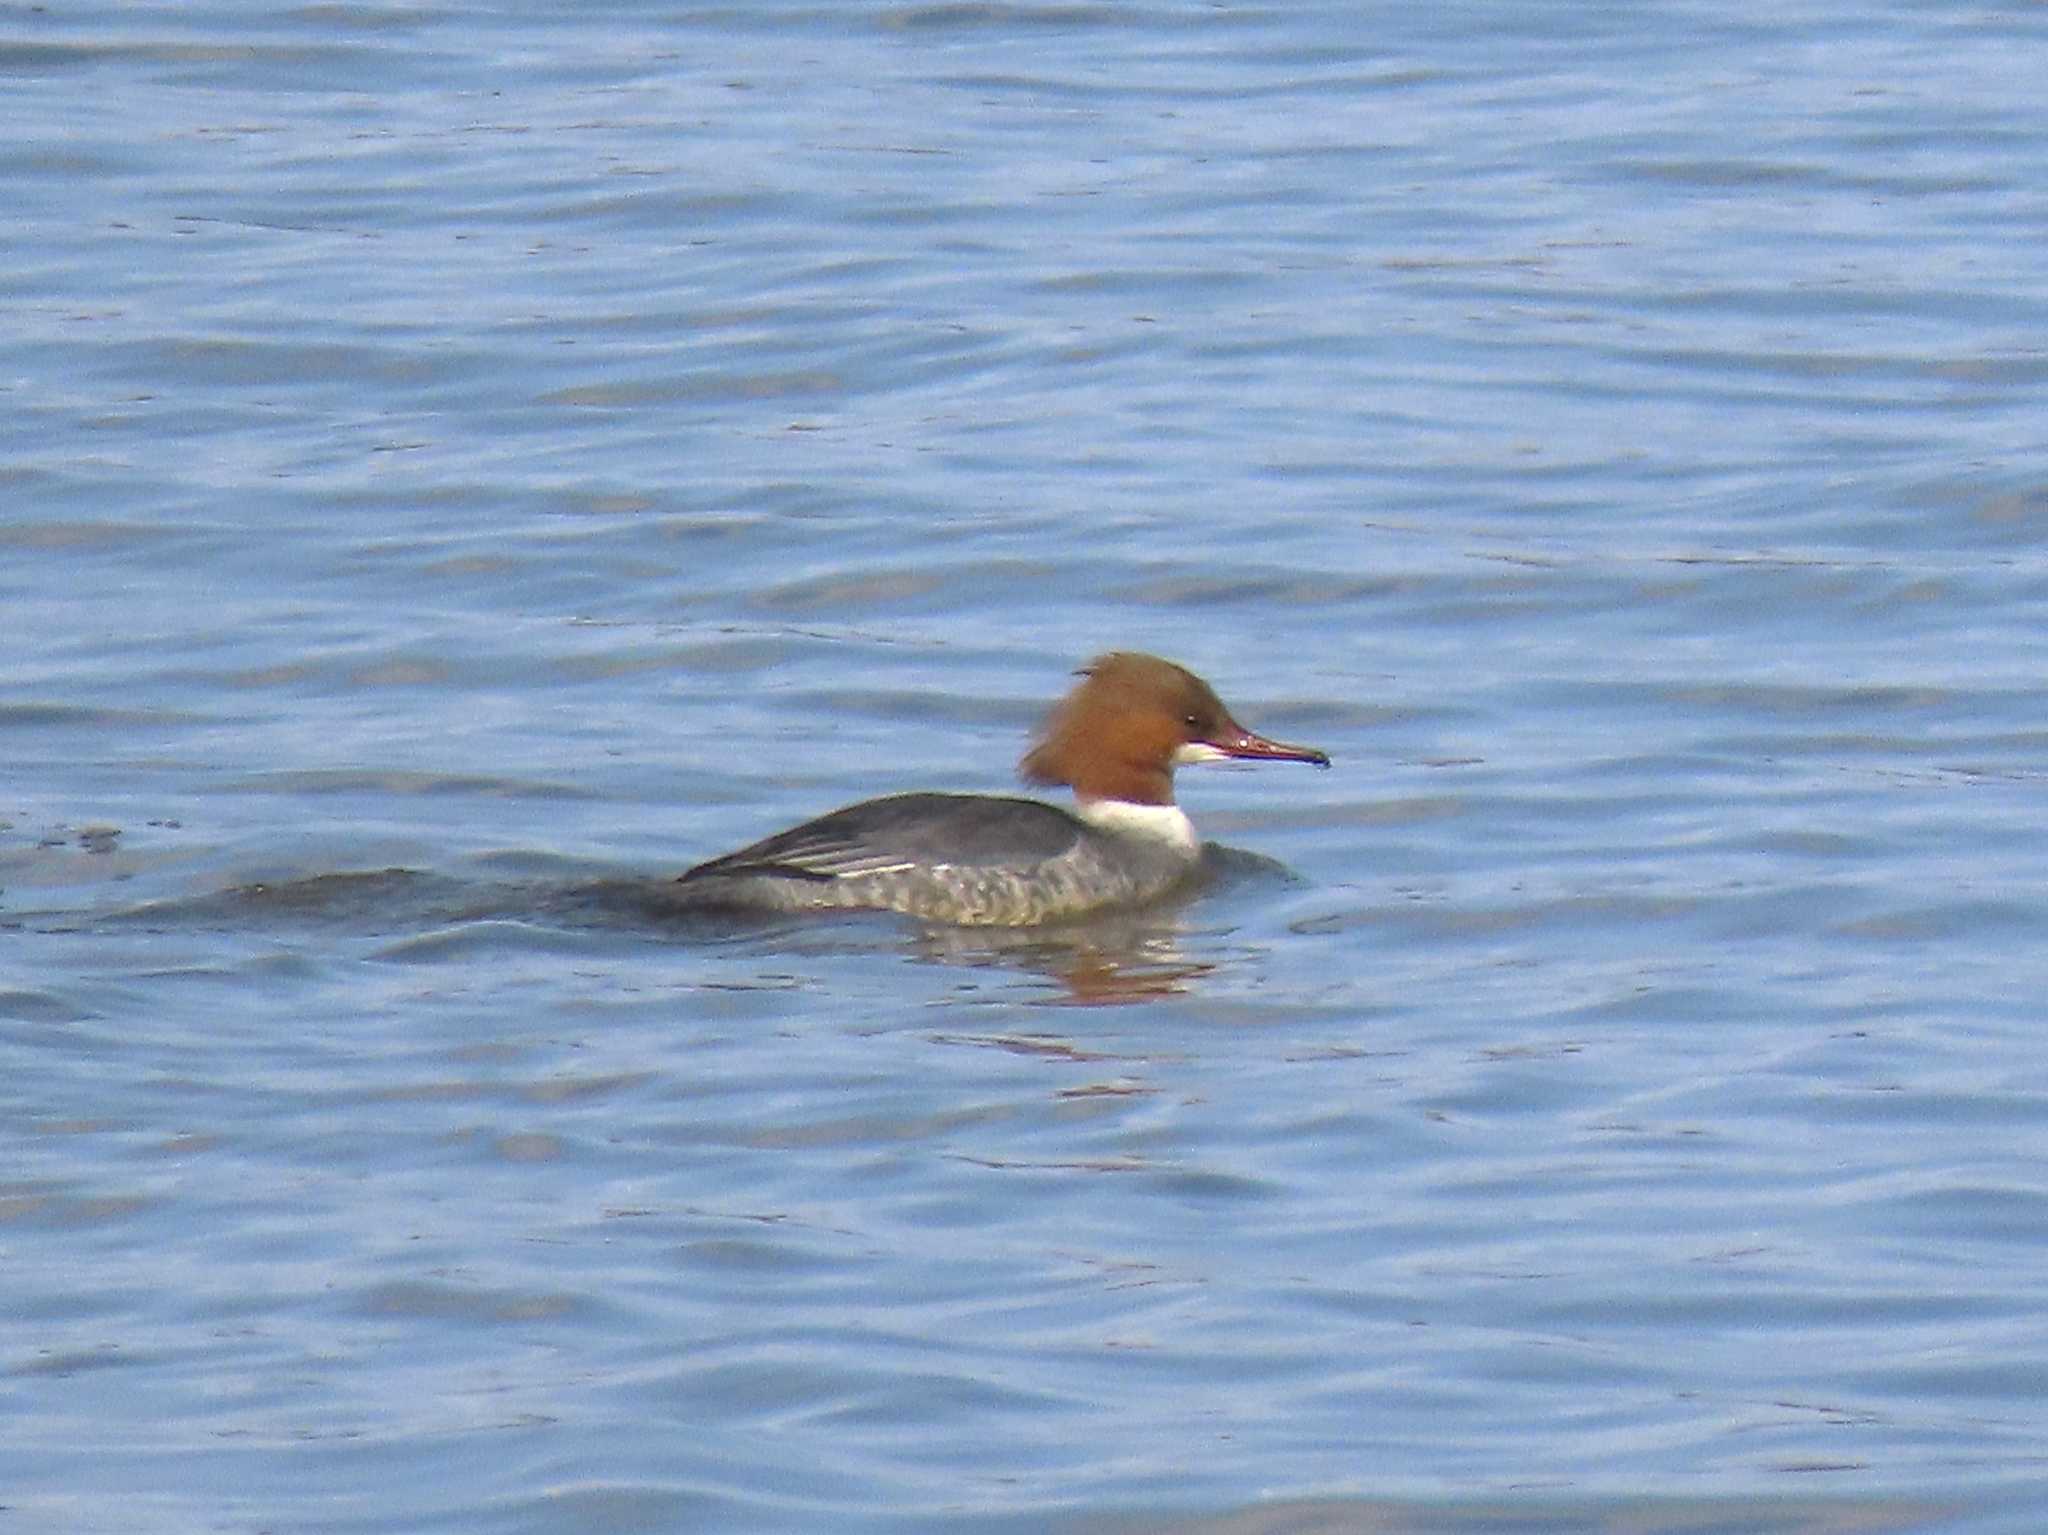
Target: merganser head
(1132,720)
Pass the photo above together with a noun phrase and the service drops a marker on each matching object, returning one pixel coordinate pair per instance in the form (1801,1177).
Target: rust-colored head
(1134,718)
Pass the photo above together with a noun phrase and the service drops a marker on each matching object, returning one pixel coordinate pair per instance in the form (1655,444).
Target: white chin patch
(1198,751)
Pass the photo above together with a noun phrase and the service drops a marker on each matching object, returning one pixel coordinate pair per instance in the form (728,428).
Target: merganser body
(981,859)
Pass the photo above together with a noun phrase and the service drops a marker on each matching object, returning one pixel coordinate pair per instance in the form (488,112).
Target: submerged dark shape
(999,860)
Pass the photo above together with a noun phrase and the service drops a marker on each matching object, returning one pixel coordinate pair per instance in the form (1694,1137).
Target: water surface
(459,467)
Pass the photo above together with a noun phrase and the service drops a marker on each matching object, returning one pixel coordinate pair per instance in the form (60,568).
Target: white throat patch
(1167,824)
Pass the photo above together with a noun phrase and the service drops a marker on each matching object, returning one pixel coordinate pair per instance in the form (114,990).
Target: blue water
(459,463)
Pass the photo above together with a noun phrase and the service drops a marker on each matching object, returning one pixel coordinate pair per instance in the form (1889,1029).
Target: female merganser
(995,860)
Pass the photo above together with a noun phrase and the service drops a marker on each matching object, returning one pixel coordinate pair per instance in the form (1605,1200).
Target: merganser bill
(996,860)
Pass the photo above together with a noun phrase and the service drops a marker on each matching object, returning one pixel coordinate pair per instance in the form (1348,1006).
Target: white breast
(1162,825)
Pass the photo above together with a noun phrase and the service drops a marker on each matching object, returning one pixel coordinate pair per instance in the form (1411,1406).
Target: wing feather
(907,831)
